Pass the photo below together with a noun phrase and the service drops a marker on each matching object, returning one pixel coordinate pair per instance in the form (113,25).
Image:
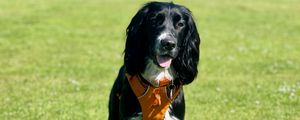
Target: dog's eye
(180,24)
(159,17)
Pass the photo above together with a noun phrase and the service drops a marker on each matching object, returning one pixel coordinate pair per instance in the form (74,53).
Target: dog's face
(164,34)
(165,29)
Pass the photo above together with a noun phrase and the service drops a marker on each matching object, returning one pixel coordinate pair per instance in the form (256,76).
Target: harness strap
(136,83)
(154,101)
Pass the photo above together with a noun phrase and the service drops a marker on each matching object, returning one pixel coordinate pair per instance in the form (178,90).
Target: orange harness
(153,100)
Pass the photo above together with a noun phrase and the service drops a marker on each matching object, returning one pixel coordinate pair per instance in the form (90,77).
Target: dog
(161,55)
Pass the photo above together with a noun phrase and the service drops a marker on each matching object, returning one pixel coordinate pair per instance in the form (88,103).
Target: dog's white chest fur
(153,73)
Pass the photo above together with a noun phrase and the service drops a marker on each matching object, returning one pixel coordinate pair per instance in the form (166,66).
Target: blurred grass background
(59,58)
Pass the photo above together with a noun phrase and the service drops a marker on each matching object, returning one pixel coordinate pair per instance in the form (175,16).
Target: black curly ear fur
(187,60)
(134,58)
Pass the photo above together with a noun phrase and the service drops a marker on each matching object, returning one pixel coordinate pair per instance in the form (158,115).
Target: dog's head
(165,34)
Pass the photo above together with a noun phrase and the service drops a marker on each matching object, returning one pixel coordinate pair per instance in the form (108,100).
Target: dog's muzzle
(167,45)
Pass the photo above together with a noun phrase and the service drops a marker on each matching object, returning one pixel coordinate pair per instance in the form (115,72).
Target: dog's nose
(168,44)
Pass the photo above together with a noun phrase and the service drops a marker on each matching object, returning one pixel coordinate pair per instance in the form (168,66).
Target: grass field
(59,58)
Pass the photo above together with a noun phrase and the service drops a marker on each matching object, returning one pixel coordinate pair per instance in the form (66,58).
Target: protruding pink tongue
(164,61)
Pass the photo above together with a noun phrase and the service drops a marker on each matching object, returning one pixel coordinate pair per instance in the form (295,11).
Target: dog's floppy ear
(134,58)
(187,61)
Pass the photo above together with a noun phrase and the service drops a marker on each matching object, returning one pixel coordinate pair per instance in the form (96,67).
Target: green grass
(59,58)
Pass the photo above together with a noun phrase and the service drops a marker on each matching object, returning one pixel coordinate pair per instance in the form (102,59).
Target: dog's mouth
(164,60)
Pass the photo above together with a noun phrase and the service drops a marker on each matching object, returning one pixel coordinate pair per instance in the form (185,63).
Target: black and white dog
(162,41)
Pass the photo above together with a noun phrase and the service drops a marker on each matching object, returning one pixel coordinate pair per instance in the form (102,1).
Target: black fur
(140,43)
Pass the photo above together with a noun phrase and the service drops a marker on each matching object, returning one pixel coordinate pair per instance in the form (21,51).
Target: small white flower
(257,102)
(258,86)
(292,94)
(232,111)
(218,89)
(74,82)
